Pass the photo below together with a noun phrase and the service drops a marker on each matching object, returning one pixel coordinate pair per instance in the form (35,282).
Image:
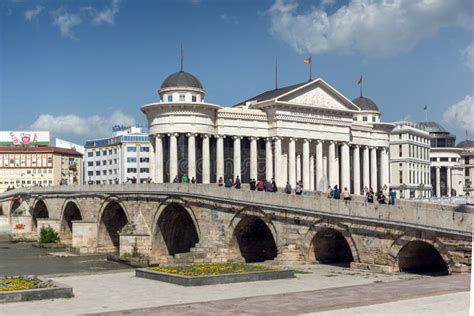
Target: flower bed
(15,289)
(216,273)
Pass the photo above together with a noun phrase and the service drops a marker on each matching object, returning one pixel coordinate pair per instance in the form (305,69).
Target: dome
(466,144)
(366,104)
(181,79)
(432,127)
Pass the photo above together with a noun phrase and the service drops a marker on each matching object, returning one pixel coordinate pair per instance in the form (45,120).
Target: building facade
(306,132)
(410,161)
(22,166)
(467,163)
(123,157)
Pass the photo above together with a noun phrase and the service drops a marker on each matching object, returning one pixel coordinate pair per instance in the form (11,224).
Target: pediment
(318,94)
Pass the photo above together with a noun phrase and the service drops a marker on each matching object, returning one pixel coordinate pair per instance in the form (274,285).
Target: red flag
(360,80)
(308,61)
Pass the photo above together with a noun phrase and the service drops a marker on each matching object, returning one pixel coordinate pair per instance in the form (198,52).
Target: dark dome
(366,104)
(466,144)
(181,79)
(432,127)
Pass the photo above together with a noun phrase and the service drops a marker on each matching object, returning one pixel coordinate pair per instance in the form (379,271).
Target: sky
(77,68)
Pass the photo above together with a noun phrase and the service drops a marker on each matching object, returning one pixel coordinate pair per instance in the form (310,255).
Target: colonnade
(438,181)
(321,163)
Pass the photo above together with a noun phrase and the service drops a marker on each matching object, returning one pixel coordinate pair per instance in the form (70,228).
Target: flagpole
(310,67)
(360,89)
(182,57)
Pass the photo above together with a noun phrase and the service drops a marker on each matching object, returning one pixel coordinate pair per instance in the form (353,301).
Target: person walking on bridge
(288,188)
(228,183)
(260,186)
(237,183)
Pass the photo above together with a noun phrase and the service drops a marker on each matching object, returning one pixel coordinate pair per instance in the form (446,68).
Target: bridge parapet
(455,219)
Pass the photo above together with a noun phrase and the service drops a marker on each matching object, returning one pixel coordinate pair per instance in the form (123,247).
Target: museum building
(306,132)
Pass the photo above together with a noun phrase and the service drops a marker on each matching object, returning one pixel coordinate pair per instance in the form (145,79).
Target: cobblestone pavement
(316,301)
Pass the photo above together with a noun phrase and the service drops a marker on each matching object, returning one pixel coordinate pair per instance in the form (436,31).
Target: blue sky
(78,67)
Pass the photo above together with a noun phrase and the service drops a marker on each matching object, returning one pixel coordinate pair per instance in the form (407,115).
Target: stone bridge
(180,223)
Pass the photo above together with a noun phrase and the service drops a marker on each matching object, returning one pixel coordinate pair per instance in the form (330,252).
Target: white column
(356,161)
(191,156)
(237,157)
(284,169)
(325,170)
(337,167)
(306,172)
(292,162)
(253,158)
(345,167)
(298,167)
(158,159)
(384,169)
(332,164)
(173,156)
(366,168)
(206,160)
(311,172)
(278,174)
(219,157)
(438,182)
(319,166)
(373,169)
(448,180)
(268,159)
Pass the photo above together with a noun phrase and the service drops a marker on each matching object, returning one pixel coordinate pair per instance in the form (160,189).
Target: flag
(425,107)
(308,61)
(360,80)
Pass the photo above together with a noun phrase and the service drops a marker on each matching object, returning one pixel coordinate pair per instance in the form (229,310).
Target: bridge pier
(135,244)
(84,236)
(22,228)
(45,222)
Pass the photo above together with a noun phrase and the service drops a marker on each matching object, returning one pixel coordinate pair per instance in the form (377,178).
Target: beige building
(410,161)
(467,163)
(38,166)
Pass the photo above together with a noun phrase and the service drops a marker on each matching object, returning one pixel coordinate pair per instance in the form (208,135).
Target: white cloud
(461,115)
(88,127)
(468,56)
(33,13)
(107,15)
(370,27)
(196,2)
(66,21)
(229,18)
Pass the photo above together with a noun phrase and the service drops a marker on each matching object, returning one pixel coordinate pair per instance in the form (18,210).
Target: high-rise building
(123,157)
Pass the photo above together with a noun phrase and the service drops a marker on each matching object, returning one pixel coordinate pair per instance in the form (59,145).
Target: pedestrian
(268,186)
(288,188)
(175,180)
(381,198)
(392,195)
(220,182)
(330,193)
(184,179)
(336,193)
(193,180)
(298,189)
(252,185)
(260,186)
(237,183)
(346,195)
(274,186)
(228,183)
(369,198)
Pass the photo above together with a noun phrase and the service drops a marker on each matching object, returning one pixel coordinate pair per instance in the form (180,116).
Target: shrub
(48,235)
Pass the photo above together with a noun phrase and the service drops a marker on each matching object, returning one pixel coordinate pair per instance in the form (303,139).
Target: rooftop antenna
(182,58)
(276,73)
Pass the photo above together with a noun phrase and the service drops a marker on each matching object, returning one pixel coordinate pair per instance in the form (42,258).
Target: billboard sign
(24,138)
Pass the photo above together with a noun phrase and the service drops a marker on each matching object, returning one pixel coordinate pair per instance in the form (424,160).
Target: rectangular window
(131,159)
(144,149)
(131,149)
(132,170)
(90,163)
(104,162)
(181,97)
(170,98)
(97,173)
(104,172)
(194,98)
(90,173)
(144,159)
(97,153)
(145,170)
(104,152)
(400,150)
(364,118)
(97,163)
(90,154)
(373,118)
(110,151)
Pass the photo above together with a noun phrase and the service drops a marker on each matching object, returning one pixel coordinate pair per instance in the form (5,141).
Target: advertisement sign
(24,138)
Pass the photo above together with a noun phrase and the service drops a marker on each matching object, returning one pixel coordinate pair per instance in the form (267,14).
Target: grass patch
(23,283)
(48,235)
(212,269)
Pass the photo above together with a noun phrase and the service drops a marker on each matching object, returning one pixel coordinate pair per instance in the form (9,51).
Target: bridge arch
(253,235)
(14,205)
(70,212)
(113,217)
(175,228)
(420,255)
(330,243)
(39,210)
